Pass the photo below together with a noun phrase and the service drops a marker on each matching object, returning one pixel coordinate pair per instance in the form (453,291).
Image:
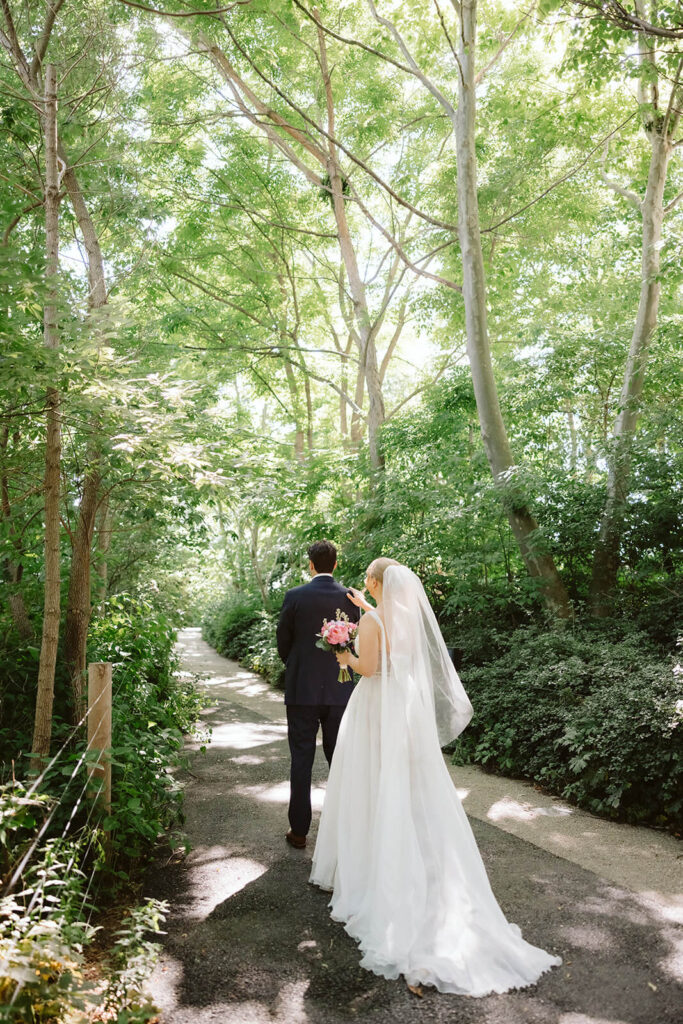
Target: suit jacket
(310,673)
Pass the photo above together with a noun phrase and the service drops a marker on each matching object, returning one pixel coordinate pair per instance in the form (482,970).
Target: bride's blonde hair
(377,568)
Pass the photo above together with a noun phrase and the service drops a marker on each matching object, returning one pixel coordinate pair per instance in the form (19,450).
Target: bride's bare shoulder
(368,623)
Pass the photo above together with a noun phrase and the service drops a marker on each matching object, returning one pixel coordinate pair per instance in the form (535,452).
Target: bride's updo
(377,568)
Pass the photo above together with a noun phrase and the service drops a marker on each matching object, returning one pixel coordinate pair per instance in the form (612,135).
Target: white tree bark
(524,526)
(659,126)
(365,330)
(273,124)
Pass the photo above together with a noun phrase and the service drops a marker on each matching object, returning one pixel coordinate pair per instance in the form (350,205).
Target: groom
(313,696)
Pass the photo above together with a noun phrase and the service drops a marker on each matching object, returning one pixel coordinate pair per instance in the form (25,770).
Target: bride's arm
(356,597)
(367,663)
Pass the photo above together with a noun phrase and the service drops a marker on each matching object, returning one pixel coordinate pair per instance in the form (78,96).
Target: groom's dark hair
(323,554)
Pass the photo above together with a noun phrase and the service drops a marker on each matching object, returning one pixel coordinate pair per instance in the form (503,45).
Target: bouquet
(338,635)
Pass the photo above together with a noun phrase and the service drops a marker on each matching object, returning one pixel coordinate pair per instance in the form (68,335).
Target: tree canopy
(408,277)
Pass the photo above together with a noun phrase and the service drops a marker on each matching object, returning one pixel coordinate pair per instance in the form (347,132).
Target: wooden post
(99,728)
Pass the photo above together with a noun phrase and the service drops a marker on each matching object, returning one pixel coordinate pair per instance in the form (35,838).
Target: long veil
(419,656)
(422,706)
(394,844)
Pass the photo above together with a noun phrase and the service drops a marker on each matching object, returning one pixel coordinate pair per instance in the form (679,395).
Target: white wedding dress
(394,845)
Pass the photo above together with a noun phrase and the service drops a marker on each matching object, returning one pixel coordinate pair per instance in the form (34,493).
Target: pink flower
(337,633)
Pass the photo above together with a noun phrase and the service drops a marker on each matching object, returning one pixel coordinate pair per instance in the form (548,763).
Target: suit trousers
(302,730)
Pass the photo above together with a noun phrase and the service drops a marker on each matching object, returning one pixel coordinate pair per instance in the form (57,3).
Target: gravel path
(250,942)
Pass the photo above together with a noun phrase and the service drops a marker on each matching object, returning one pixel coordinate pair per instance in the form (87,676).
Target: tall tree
(462,115)
(28,66)
(318,159)
(51,614)
(659,97)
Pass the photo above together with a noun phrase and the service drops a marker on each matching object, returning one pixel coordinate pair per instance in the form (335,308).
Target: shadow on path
(250,941)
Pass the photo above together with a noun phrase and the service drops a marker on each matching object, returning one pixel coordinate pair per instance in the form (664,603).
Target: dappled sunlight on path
(250,942)
(648,862)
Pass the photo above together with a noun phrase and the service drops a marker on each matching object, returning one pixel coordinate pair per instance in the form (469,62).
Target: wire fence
(35,786)
(89,790)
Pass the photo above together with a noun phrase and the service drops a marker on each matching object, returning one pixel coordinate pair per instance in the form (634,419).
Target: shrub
(42,923)
(43,928)
(153,706)
(593,717)
(239,628)
(225,626)
(41,976)
(261,651)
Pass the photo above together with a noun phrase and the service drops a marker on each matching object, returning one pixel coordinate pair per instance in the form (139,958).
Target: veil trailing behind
(394,845)
(419,656)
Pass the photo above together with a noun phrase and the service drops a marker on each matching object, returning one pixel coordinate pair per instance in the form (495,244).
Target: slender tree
(462,115)
(28,67)
(42,730)
(660,103)
(79,598)
(325,173)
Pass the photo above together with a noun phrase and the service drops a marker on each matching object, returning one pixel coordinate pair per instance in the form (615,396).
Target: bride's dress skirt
(397,852)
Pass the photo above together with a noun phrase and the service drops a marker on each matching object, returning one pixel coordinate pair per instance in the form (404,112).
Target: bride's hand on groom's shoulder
(356,597)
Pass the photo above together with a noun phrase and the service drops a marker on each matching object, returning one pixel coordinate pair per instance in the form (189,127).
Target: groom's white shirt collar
(322,574)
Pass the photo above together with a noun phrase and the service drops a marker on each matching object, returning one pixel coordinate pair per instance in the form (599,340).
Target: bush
(261,651)
(43,927)
(152,708)
(591,716)
(225,625)
(239,628)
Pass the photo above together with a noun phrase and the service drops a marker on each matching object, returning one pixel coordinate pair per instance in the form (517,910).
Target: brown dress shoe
(298,842)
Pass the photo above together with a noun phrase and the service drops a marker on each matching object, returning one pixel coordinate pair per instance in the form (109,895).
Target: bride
(394,845)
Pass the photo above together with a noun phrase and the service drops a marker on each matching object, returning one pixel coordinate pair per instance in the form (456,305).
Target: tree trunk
(361,313)
(309,414)
(13,569)
(343,385)
(357,422)
(525,528)
(79,606)
(574,450)
(104,532)
(42,730)
(295,409)
(606,558)
(258,575)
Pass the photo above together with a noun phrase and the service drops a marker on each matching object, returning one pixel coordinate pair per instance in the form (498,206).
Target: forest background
(406,276)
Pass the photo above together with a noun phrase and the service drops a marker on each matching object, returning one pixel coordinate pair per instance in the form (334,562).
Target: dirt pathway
(250,942)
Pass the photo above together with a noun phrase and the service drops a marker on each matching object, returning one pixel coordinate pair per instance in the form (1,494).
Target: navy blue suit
(313,694)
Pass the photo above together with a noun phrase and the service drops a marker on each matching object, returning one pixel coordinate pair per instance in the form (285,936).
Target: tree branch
(15,220)
(617,14)
(184,14)
(26,191)
(335,141)
(559,181)
(399,249)
(503,46)
(42,44)
(421,387)
(674,203)
(416,70)
(10,41)
(354,42)
(672,113)
(237,84)
(627,194)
